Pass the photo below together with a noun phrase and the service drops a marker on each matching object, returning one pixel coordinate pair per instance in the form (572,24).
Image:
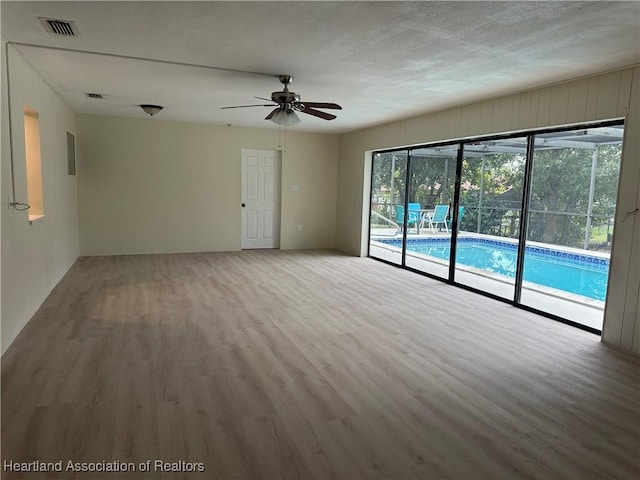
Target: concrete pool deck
(579,309)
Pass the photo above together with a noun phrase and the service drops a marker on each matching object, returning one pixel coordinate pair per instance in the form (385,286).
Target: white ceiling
(380,60)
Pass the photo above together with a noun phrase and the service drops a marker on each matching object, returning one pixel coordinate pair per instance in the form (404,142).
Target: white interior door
(260,199)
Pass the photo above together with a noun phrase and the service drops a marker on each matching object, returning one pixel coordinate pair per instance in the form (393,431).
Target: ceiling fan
(287,103)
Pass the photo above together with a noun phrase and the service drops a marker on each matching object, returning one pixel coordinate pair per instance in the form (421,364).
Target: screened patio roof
(587,138)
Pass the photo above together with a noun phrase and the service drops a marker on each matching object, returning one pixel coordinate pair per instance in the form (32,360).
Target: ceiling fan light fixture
(285,118)
(151,109)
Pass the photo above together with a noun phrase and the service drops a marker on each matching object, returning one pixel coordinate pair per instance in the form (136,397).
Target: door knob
(244,205)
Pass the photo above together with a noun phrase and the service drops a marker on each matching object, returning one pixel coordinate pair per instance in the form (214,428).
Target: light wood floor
(311,365)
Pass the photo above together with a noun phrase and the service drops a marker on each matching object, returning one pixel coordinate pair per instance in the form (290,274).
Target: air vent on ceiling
(65,28)
(93,95)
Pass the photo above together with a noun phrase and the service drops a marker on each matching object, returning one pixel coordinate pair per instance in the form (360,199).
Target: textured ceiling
(380,60)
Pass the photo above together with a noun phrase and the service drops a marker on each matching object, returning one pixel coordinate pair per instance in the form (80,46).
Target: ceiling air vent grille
(93,95)
(65,28)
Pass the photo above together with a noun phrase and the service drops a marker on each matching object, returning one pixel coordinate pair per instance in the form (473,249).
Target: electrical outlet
(299,228)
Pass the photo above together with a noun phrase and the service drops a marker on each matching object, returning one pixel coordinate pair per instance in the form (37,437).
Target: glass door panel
(431,187)
(574,186)
(389,171)
(491,189)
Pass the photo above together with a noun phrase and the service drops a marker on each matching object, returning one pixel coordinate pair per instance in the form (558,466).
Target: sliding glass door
(526,218)
(432,174)
(574,184)
(489,211)
(388,191)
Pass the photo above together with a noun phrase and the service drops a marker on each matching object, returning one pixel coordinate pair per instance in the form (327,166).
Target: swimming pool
(576,273)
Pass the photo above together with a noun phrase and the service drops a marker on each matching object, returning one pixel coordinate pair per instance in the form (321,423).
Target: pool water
(575,273)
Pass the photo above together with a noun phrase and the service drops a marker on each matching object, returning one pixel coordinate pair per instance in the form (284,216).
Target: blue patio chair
(414,215)
(438,217)
(460,214)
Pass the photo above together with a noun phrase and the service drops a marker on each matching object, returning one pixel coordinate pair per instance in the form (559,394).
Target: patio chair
(413,217)
(460,214)
(438,217)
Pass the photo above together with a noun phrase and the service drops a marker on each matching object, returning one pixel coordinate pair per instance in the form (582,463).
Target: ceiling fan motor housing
(284,97)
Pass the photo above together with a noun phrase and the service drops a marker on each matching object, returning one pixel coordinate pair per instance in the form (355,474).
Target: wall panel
(624,92)
(543,109)
(523,114)
(577,101)
(608,91)
(559,103)
(621,313)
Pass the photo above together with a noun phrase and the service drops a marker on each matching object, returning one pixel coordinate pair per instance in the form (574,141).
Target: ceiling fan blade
(262,98)
(334,106)
(318,113)
(244,106)
(273,112)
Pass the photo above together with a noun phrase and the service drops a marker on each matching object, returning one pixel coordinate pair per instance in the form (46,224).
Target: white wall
(34,257)
(606,96)
(153,186)
(622,313)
